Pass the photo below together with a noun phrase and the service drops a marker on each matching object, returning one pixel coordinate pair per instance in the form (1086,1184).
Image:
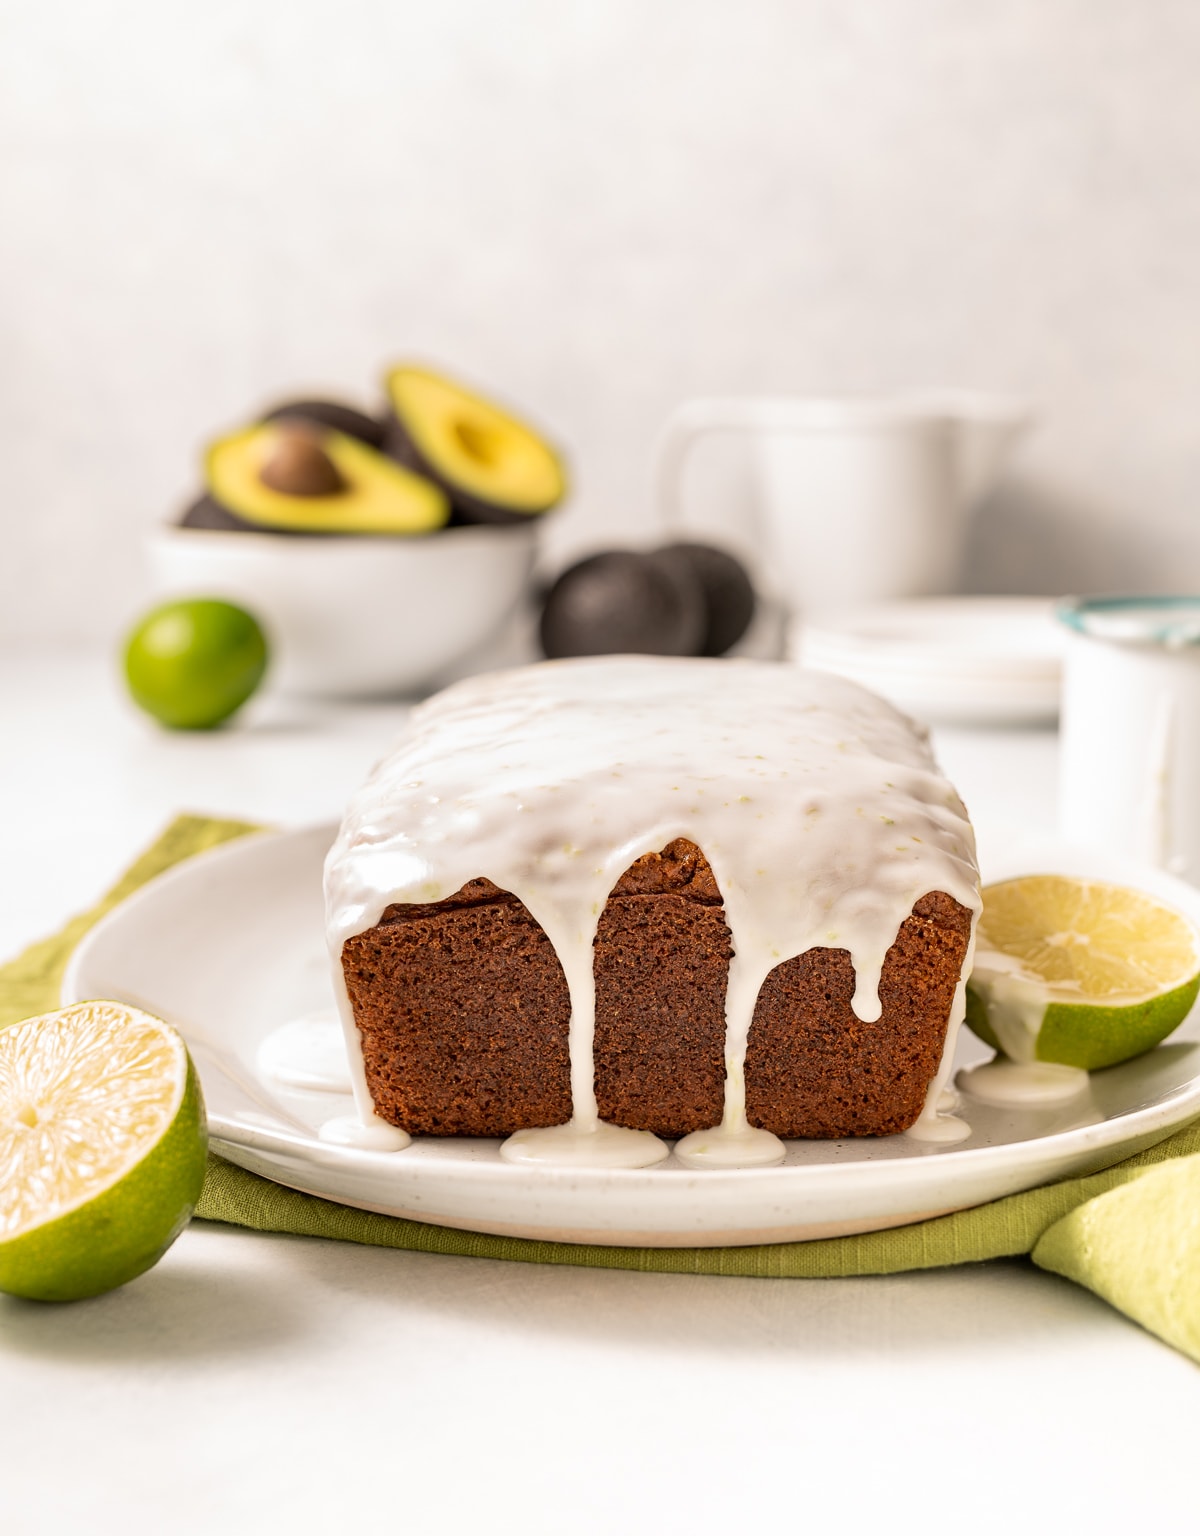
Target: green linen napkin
(1130,1233)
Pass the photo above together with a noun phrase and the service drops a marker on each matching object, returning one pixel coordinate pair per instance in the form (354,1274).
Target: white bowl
(357,616)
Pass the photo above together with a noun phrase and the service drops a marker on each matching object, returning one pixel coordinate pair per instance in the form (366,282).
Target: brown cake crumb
(814,1068)
(463,1011)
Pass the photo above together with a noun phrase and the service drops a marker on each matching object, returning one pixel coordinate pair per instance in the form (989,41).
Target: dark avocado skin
(332,414)
(728,592)
(464,507)
(622,602)
(207,512)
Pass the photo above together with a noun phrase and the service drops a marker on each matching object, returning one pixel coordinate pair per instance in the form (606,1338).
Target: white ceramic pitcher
(864,498)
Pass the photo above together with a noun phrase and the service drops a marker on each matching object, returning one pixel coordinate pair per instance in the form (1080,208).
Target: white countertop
(292,1384)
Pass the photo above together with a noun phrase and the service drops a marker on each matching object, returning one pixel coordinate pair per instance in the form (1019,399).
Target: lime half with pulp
(102,1143)
(1078,971)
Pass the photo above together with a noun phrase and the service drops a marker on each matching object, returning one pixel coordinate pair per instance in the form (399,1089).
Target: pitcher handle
(694,419)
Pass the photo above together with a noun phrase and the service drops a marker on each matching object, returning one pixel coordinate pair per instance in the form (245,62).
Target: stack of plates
(947,660)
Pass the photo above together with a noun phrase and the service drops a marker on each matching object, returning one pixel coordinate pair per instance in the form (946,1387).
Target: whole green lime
(193,662)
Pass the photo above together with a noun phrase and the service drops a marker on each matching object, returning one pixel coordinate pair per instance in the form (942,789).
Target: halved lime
(191,663)
(102,1147)
(1078,971)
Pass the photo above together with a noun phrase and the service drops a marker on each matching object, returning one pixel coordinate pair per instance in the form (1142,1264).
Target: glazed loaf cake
(678,897)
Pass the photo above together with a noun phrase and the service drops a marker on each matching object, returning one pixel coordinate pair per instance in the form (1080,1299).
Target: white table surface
(289,1384)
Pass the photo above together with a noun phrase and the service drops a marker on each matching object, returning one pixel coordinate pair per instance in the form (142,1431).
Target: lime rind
(1092,1036)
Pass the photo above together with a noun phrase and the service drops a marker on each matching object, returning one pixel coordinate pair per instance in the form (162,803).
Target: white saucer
(229,947)
(950,660)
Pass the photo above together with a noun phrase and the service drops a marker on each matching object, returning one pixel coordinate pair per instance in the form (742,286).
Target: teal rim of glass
(1173,622)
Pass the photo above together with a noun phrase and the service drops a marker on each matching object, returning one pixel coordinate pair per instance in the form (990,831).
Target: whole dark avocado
(622,601)
(330,413)
(493,467)
(728,592)
(205,512)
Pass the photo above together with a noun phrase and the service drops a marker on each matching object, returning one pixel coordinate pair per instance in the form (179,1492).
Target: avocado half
(493,467)
(294,476)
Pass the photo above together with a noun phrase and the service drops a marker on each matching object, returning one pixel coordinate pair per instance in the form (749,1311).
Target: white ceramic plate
(951,660)
(229,946)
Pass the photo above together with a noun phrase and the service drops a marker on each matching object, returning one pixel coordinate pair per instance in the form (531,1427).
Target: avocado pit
(297,464)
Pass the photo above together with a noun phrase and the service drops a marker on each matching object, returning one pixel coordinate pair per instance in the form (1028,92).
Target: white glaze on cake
(818,806)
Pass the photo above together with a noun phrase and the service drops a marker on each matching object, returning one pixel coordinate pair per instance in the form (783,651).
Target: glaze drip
(818,806)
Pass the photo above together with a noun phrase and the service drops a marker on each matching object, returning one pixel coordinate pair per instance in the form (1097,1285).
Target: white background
(597,209)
